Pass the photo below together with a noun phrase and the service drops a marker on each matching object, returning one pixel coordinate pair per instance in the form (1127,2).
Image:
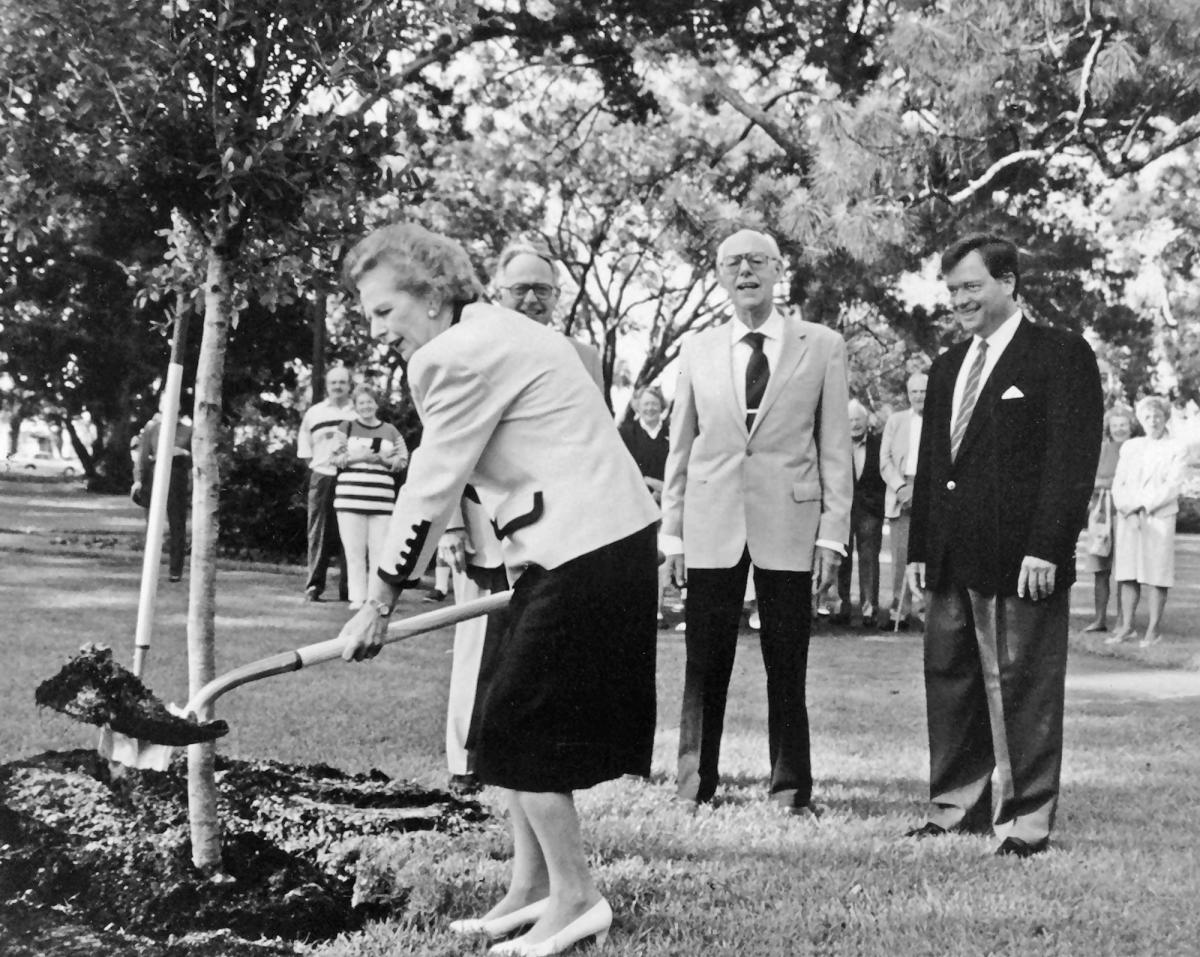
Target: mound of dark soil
(96,865)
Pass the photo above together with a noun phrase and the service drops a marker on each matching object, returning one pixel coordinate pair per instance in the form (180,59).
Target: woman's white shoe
(501,926)
(593,922)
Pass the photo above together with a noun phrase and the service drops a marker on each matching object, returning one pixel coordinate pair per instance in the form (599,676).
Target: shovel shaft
(321,651)
(156,516)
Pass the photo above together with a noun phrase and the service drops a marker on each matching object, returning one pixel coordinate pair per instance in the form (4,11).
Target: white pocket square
(1012,392)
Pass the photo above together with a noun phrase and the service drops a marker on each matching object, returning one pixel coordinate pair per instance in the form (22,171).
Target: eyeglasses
(542,290)
(754,260)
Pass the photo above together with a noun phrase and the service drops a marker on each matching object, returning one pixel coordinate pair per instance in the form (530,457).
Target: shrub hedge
(263,504)
(264,485)
(1188,519)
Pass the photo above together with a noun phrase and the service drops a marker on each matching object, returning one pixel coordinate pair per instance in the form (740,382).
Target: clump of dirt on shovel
(93,688)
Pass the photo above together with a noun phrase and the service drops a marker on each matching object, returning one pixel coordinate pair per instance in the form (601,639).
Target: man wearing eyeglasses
(759,477)
(526,281)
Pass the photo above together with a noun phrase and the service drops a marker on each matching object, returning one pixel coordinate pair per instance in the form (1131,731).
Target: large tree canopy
(865,135)
(628,134)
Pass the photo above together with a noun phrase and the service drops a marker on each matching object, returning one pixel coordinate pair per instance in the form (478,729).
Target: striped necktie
(757,374)
(969,397)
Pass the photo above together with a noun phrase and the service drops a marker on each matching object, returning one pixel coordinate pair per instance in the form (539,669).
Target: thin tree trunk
(82,452)
(318,309)
(206,484)
(14,432)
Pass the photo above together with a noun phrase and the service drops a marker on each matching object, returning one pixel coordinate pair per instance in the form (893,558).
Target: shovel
(113,739)
(155,752)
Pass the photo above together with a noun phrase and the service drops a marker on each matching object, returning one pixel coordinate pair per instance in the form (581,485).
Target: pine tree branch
(760,117)
(1186,132)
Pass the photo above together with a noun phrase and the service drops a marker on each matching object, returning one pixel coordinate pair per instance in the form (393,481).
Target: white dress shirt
(997,342)
(320,436)
(741,350)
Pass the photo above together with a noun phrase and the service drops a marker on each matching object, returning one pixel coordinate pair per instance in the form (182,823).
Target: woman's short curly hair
(650,390)
(1155,401)
(421,262)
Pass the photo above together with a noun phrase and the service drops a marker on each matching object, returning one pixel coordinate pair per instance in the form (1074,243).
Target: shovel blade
(133,752)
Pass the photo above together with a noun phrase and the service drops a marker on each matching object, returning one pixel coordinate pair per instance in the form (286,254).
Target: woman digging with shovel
(511,417)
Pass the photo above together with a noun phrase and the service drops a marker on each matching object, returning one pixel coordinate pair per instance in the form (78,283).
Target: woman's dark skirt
(567,698)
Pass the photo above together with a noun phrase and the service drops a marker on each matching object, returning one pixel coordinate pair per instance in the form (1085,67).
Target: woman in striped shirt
(371,455)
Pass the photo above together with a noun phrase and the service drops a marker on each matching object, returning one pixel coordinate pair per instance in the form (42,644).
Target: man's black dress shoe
(1015,847)
(928,829)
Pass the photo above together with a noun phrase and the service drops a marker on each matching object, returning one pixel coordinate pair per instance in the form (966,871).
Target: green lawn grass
(737,878)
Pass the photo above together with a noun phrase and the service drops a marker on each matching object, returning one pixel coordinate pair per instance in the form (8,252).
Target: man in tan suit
(898,466)
(759,475)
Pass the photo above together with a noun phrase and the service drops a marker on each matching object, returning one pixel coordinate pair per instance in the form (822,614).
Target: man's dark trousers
(995,672)
(178,505)
(323,540)
(712,616)
(866,540)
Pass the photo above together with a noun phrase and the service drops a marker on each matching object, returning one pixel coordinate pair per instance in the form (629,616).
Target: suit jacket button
(951,486)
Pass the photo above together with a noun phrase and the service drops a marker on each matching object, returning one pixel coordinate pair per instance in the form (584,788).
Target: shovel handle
(321,651)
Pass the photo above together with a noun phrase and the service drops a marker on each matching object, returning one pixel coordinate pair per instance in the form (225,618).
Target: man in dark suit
(866,521)
(1008,453)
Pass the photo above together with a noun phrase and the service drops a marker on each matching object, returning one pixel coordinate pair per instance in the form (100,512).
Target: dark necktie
(757,374)
(969,397)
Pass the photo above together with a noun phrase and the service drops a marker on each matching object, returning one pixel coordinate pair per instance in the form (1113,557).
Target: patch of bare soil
(94,865)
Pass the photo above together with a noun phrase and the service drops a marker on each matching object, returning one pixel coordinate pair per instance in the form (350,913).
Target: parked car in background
(42,463)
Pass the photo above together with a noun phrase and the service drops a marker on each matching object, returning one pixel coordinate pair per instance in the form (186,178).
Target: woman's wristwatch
(382,609)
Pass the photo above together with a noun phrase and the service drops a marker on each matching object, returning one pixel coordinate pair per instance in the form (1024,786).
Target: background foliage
(141,139)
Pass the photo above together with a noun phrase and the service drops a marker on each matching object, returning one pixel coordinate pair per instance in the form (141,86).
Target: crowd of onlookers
(357,461)
(1129,538)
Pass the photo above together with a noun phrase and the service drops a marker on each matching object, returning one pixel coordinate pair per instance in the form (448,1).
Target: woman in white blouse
(1146,488)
